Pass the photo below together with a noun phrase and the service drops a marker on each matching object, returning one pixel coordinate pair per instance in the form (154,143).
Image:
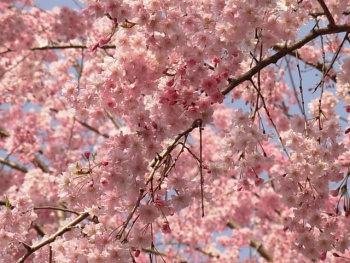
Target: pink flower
(148,213)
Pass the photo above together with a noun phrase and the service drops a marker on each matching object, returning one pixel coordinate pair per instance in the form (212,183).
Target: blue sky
(49,4)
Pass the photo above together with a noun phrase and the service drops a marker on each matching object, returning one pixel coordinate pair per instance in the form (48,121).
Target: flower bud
(87,154)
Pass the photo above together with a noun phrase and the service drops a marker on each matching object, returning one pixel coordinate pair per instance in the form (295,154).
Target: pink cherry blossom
(147,131)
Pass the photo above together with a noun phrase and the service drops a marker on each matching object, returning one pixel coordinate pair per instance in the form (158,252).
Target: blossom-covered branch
(32,248)
(287,49)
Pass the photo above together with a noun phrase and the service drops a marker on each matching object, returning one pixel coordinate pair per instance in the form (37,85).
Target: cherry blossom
(175,131)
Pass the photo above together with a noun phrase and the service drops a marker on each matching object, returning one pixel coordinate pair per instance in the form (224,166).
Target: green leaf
(7,202)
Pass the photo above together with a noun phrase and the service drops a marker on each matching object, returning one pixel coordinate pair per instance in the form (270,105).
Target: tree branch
(41,164)
(56,47)
(283,52)
(56,208)
(13,165)
(115,122)
(253,243)
(32,249)
(327,13)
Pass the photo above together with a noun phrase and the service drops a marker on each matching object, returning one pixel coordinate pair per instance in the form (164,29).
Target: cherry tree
(175,131)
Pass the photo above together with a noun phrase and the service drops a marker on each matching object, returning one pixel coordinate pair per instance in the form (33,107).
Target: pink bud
(334,192)
(87,154)
(216,59)
(94,48)
(347,108)
(182,71)
(166,228)
(258,181)
(104,181)
(104,163)
(224,75)
(323,255)
(91,184)
(347,213)
(154,125)
(103,41)
(137,253)
(336,255)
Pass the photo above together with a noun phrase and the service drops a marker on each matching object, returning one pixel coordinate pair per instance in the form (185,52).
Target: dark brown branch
(283,52)
(253,243)
(327,13)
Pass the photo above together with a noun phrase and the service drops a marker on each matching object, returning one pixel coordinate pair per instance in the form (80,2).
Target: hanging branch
(199,123)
